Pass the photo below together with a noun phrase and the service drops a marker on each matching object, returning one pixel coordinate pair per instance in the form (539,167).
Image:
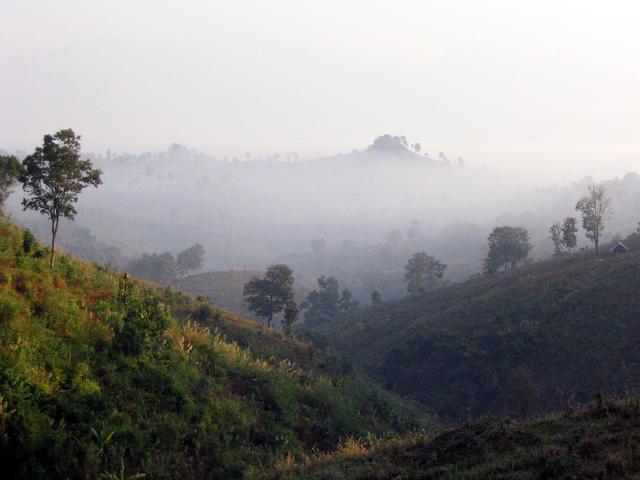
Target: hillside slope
(225,288)
(103,376)
(524,342)
(596,442)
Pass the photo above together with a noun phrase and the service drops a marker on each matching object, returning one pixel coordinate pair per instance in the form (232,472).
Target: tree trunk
(269,320)
(597,250)
(54,232)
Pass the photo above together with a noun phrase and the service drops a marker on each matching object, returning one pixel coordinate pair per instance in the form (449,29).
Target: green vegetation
(271,294)
(53,177)
(600,441)
(103,376)
(522,342)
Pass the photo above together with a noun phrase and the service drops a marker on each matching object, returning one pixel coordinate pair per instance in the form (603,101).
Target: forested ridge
(522,342)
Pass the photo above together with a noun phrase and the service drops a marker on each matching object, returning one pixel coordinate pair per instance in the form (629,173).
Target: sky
(529,86)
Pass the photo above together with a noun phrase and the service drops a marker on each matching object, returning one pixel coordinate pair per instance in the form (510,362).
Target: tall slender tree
(54,175)
(595,208)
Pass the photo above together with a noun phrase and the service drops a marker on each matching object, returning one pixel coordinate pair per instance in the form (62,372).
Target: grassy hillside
(102,376)
(224,288)
(596,442)
(520,343)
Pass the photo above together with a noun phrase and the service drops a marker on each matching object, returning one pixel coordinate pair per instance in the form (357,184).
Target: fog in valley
(336,138)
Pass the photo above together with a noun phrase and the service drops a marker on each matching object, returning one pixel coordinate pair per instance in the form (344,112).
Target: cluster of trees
(422,273)
(273,294)
(52,179)
(326,301)
(508,246)
(563,235)
(163,267)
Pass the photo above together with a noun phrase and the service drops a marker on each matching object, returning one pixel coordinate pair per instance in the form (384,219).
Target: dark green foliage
(599,441)
(521,343)
(291,312)
(325,302)
(508,246)
(28,241)
(104,377)
(144,321)
(53,177)
(269,296)
(190,260)
(10,172)
(422,273)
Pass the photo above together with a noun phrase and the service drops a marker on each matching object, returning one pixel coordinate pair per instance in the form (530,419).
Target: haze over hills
(319,240)
(250,213)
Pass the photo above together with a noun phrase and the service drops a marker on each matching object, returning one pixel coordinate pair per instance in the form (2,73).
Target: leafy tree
(291,312)
(422,272)
(555,234)
(269,296)
(54,175)
(569,231)
(159,267)
(191,259)
(10,172)
(563,236)
(507,247)
(595,209)
(346,301)
(322,303)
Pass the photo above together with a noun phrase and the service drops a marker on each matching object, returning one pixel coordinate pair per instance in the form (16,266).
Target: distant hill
(224,288)
(104,376)
(599,441)
(521,343)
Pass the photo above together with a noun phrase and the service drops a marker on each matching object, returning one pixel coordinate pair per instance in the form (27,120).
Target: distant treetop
(389,142)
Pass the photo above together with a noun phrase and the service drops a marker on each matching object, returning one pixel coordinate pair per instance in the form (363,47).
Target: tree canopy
(270,295)
(190,259)
(10,171)
(422,272)
(508,246)
(54,175)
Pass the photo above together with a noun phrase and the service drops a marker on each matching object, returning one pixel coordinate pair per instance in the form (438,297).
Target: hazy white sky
(548,85)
